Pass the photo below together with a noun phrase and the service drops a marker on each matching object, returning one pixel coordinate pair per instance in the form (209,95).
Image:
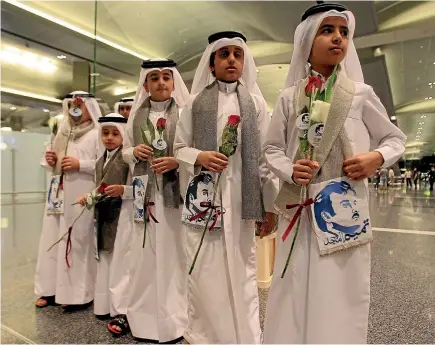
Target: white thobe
(157,308)
(75,285)
(46,264)
(323,299)
(222,289)
(112,281)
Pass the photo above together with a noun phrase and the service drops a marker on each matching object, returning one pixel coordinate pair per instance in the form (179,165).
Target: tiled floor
(403,277)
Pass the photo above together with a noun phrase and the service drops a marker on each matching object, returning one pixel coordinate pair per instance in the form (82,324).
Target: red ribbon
(218,213)
(202,214)
(150,213)
(208,206)
(68,246)
(298,213)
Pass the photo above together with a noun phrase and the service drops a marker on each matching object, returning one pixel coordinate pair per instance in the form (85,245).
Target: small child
(113,223)
(325,298)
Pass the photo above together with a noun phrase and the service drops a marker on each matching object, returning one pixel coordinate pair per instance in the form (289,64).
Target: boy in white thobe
(325,298)
(222,288)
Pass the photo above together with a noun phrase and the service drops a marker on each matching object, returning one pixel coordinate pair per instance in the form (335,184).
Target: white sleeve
(43,162)
(184,153)
(269,182)
(389,139)
(278,157)
(88,165)
(128,141)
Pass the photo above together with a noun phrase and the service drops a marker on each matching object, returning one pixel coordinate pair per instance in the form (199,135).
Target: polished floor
(403,276)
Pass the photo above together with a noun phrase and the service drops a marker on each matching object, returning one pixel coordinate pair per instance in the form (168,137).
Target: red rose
(313,83)
(77,101)
(102,187)
(161,124)
(233,120)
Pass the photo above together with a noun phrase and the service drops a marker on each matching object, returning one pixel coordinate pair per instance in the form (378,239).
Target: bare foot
(41,302)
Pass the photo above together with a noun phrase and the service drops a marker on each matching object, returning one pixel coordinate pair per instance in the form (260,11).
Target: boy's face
(228,63)
(111,137)
(160,84)
(330,44)
(124,110)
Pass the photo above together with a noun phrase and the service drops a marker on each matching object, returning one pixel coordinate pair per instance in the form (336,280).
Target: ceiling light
(61,57)
(393,118)
(30,95)
(430,97)
(426,98)
(6,129)
(45,110)
(74,28)
(27,59)
(421,46)
(13,108)
(430,84)
(420,61)
(258,71)
(24,130)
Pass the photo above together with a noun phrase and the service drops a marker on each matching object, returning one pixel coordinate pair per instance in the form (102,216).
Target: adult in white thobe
(75,284)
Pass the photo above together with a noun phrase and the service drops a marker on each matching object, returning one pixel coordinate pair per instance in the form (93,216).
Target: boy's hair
(211,63)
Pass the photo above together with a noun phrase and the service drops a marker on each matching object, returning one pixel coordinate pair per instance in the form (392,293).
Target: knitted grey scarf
(171,185)
(204,115)
(334,147)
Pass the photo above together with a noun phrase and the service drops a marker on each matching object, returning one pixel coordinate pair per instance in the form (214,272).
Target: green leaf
(151,129)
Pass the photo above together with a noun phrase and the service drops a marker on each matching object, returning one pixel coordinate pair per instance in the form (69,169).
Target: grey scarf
(334,147)
(204,115)
(171,184)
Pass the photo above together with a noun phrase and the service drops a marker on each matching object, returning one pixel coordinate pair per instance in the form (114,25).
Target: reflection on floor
(403,277)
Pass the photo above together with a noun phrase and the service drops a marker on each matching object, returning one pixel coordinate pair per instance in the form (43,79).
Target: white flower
(147,134)
(319,112)
(89,200)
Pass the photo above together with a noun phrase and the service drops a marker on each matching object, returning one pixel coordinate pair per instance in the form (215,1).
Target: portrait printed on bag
(338,211)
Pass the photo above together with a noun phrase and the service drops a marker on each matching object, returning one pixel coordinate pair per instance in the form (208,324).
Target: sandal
(118,321)
(45,301)
(69,308)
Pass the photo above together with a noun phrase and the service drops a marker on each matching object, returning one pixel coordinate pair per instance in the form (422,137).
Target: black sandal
(121,322)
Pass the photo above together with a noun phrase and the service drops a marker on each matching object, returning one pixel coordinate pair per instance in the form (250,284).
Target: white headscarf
(204,77)
(303,42)
(180,93)
(90,102)
(119,125)
(124,101)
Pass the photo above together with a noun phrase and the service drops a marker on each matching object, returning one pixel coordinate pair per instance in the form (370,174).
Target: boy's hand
(164,164)
(82,200)
(362,165)
(51,158)
(268,226)
(213,161)
(143,152)
(303,171)
(114,190)
(70,163)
